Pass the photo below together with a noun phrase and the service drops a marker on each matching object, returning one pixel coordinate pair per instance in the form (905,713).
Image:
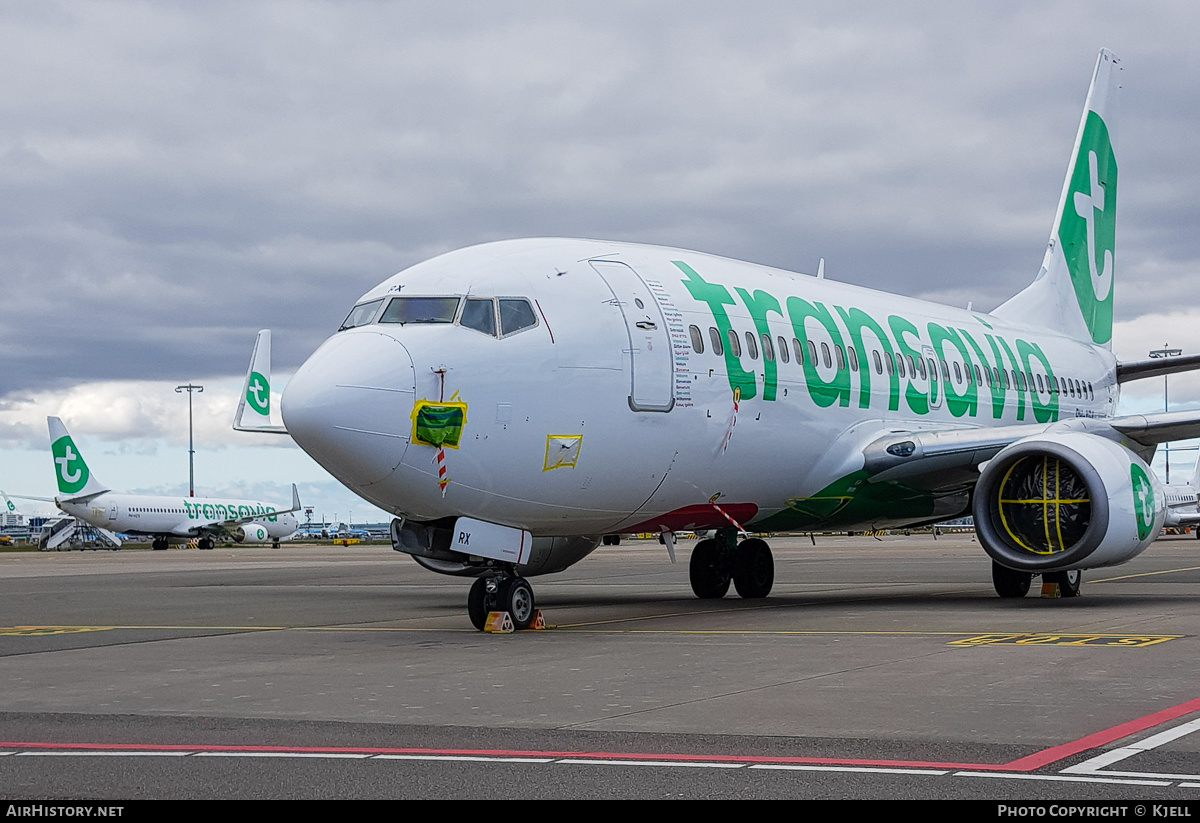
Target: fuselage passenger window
(768,349)
(715,337)
(697,339)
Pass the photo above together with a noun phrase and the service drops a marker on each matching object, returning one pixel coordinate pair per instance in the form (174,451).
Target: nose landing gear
(501,593)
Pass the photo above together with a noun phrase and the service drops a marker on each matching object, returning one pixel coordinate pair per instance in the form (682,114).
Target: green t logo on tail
(258,393)
(1088,228)
(72,473)
(1143,500)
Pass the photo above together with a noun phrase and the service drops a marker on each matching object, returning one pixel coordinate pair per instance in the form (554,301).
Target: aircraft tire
(1009,582)
(709,570)
(516,598)
(159,545)
(1068,582)
(206,544)
(479,603)
(753,569)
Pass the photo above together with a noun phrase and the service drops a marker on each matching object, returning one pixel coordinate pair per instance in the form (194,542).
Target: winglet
(71,472)
(254,406)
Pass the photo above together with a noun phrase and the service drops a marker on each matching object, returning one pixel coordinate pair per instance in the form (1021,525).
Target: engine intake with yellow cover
(1066,500)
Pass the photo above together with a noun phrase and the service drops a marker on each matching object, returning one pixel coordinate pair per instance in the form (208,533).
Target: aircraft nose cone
(349,405)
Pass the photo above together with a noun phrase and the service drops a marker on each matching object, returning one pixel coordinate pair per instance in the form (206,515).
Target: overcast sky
(176,176)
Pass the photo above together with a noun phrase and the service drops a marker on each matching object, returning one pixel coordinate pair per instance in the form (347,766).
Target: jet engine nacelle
(1067,500)
(251,533)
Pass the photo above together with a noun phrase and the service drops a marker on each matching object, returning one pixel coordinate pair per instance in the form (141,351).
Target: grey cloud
(174,177)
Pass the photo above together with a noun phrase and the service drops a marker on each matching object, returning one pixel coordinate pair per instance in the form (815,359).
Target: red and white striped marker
(443,480)
(713,502)
(737,396)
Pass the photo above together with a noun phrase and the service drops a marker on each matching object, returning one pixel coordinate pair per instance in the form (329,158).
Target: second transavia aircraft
(163,518)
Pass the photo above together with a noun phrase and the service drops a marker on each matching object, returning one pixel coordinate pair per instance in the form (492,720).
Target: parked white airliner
(165,519)
(513,402)
(1183,502)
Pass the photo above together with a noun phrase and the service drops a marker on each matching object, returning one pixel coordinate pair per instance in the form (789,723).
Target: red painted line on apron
(1022,764)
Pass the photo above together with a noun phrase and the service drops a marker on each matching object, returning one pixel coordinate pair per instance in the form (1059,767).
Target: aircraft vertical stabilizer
(1073,292)
(70,471)
(254,406)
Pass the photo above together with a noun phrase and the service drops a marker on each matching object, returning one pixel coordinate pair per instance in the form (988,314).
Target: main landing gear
(501,593)
(716,562)
(1011,583)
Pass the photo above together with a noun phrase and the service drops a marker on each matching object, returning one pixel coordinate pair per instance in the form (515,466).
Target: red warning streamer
(737,396)
(713,502)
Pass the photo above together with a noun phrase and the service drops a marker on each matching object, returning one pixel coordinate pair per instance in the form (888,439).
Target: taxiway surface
(877,668)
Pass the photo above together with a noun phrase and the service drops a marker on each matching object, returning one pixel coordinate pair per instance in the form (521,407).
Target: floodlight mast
(191,445)
(1166,351)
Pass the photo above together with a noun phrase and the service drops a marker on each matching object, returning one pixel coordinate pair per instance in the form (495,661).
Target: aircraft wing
(1160,427)
(940,457)
(946,457)
(1138,369)
(27,497)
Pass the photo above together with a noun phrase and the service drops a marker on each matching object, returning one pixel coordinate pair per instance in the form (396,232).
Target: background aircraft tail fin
(1073,292)
(70,471)
(254,406)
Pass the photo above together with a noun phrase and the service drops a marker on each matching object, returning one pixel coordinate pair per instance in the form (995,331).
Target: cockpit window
(515,314)
(361,315)
(420,310)
(479,314)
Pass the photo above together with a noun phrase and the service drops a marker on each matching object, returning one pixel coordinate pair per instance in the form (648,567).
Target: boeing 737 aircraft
(1183,504)
(513,402)
(163,518)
